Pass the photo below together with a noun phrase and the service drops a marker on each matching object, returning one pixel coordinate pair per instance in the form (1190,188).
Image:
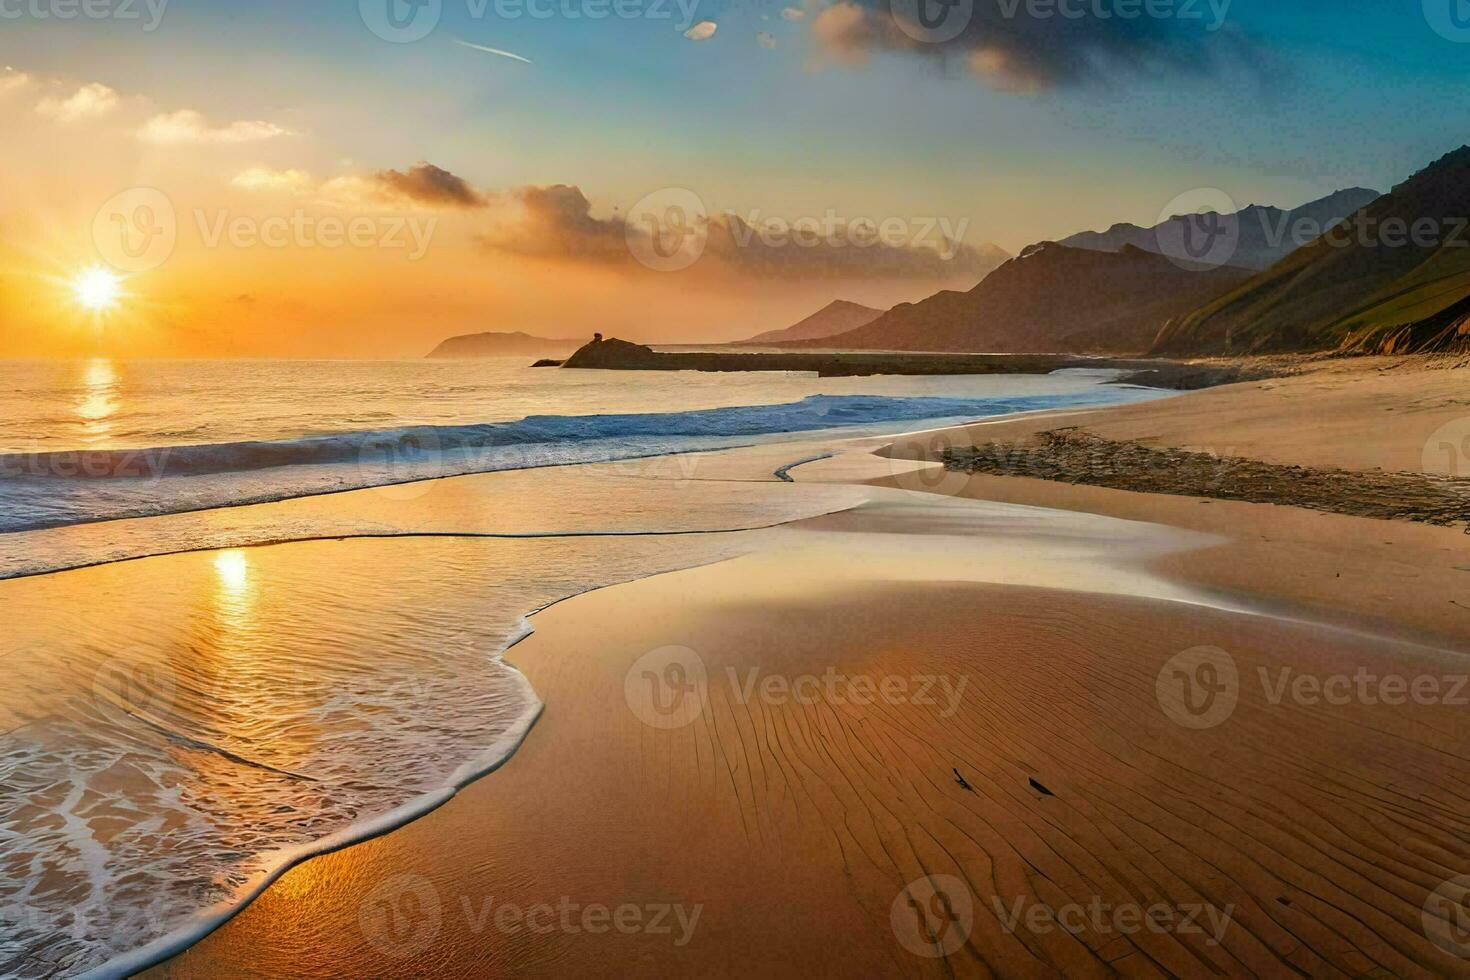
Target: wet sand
(843,827)
(794,823)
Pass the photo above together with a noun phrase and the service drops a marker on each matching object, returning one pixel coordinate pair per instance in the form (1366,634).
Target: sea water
(214,669)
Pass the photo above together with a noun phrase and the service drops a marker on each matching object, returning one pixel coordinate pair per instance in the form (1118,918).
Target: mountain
(1395,277)
(836,317)
(1052,298)
(1265,234)
(504,344)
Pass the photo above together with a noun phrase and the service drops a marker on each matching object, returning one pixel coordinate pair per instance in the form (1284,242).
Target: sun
(97,289)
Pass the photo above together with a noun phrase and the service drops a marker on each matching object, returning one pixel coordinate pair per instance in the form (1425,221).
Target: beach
(817,490)
(949,732)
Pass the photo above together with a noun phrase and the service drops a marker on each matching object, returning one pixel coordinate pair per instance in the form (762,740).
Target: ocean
(246,621)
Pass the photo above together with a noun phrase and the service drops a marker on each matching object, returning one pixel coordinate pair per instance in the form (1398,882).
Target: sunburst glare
(97,289)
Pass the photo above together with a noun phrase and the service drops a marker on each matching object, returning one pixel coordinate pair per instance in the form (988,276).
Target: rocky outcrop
(614,354)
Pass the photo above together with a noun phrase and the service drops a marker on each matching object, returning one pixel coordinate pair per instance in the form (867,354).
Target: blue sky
(1355,92)
(1288,101)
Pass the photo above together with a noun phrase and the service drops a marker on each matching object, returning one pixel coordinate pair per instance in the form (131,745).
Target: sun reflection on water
(99,397)
(233,570)
(234,599)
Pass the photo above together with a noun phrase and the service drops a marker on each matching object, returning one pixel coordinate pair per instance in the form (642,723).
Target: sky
(362,178)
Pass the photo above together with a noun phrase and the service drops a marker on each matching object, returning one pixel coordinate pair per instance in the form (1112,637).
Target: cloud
(189,126)
(421,186)
(496,51)
(702,31)
(846,33)
(93,99)
(265,179)
(556,223)
(1026,45)
(13,81)
(793,13)
(431,185)
(812,248)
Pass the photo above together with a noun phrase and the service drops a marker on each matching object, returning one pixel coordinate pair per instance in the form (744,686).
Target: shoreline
(1195,564)
(551,774)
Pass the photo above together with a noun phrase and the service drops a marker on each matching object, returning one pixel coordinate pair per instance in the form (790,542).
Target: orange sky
(221,255)
(524,176)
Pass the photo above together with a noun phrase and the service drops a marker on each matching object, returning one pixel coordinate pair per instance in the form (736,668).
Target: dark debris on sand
(1076,456)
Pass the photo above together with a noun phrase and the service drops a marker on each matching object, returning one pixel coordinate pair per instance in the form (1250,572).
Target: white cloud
(189,126)
(13,81)
(702,31)
(93,99)
(792,13)
(265,179)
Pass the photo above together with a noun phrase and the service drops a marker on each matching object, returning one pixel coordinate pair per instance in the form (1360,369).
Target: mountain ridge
(1265,233)
(1052,297)
(1392,278)
(497,344)
(838,316)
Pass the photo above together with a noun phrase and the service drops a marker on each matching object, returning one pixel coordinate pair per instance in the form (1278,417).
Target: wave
(813,412)
(54,489)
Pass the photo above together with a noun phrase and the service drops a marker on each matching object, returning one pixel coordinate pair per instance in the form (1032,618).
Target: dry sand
(812,833)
